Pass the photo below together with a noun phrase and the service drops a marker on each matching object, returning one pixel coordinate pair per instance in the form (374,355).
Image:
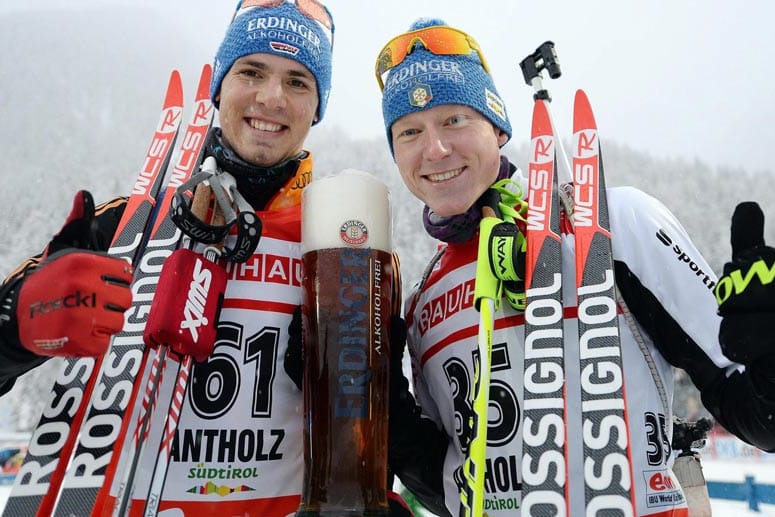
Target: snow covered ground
(736,470)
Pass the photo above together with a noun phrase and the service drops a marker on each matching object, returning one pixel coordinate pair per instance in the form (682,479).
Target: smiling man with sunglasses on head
(445,125)
(238,447)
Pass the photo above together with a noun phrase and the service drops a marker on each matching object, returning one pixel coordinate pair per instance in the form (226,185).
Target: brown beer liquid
(347,357)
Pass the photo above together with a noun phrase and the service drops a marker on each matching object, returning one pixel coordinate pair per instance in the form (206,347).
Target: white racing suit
(665,285)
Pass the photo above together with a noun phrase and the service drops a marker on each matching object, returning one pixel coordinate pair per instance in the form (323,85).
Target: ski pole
(544,450)
(487,291)
(212,253)
(533,66)
(505,204)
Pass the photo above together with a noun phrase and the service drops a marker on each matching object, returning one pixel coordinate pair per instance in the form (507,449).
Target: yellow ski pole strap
(486,285)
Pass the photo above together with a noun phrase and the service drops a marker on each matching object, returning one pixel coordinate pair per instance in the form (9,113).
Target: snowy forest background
(87,124)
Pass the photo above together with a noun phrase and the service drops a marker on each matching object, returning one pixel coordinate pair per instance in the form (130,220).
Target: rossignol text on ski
(544,449)
(69,477)
(605,435)
(38,482)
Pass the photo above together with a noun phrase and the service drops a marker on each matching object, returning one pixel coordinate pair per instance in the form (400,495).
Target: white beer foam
(350,209)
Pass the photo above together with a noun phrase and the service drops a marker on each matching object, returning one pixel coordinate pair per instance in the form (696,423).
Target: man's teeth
(444,176)
(264,126)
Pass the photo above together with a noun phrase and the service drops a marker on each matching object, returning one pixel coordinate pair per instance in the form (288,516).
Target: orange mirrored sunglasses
(310,8)
(442,40)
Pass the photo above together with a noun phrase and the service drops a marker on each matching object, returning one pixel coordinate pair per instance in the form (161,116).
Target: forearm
(746,303)
(721,394)
(417,448)
(14,358)
(750,421)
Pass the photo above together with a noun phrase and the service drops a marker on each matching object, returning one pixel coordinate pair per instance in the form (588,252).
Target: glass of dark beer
(346,311)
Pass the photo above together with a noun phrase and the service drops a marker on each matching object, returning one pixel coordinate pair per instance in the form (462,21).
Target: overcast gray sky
(690,79)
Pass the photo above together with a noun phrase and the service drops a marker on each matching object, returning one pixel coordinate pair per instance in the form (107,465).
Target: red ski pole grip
(185,308)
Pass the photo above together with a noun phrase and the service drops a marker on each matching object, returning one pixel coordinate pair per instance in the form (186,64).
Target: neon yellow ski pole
(487,294)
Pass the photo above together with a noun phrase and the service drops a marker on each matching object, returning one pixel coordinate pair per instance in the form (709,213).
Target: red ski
(94,466)
(544,452)
(608,474)
(52,443)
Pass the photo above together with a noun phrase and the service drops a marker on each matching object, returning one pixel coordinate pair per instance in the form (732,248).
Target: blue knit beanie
(281,31)
(424,80)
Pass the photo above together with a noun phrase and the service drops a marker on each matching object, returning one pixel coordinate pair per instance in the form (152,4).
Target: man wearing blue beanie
(282,31)
(238,445)
(424,80)
(272,78)
(446,125)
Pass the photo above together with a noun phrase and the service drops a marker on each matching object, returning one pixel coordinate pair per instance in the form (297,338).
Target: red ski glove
(185,309)
(74,301)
